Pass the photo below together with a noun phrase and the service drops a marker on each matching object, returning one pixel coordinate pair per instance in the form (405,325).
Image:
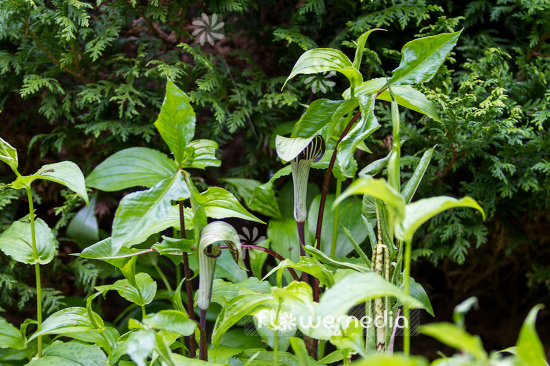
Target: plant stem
(188,284)
(302,238)
(143,313)
(324,193)
(407,338)
(275,347)
(203,352)
(163,277)
(321,351)
(335,223)
(36,270)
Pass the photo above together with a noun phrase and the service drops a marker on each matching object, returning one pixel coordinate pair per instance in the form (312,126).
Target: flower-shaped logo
(286,321)
(208,28)
(248,237)
(320,81)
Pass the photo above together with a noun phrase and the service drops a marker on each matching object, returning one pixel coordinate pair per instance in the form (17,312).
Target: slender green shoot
(36,270)
(336,219)
(406,313)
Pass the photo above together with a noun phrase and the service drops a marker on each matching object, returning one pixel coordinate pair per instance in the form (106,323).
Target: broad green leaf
(102,251)
(10,336)
(70,320)
(16,242)
(262,357)
(284,240)
(368,87)
(408,97)
(176,121)
(421,211)
(72,353)
(321,117)
(228,269)
(223,291)
(172,246)
(262,201)
(421,58)
(383,359)
(8,154)
(106,338)
(140,346)
(362,129)
(529,346)
(141,294)
(358,288)
(455,337)
(350,217)
(309,265)
(417,291)
(200,154)
(139,211)
(412,185)
(289,148)
(235,309)
(133,167)
(321,60)
(220,204)
(66,173)
(83,228)
(222,354)
(171,321)
(323,258)
(377,188)
(361,46)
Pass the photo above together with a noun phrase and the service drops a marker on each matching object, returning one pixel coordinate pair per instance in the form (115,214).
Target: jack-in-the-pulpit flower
(212,235)
(301,153)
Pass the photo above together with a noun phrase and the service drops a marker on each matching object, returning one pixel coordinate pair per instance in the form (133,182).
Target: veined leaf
(323,258)
(10,336)
(223,291)
(421,58)
(358,288)
(141,294)
(200,154)
(133,167)
(176,121)
(421,211)
(83,228)
(321,117)
(321,60)
(171,321)
(106,338)
(72,353)
(309,265)
(139,211)
(408,97)
(363,128)
(70,320)
(8,155)
(16,242)
(102,250)
(378,188)
(262,201)
(412,185)
(382,359)
(66,173)
(417,291)
(375,167)
(220,204)
(529,347)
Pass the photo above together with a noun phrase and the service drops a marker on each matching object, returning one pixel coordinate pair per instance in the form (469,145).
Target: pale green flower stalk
(209,249)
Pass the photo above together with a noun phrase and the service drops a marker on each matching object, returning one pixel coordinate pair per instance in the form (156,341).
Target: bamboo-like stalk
(379,303)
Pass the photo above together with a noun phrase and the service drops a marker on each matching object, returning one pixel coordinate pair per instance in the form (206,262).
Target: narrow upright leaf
(133,167)
(16,242)
(361,47)
(321,60)
(421,58)
(412,185)
(176,121)
(529,346)
(8,155)
(66,173)
(139,211)
(366,125)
